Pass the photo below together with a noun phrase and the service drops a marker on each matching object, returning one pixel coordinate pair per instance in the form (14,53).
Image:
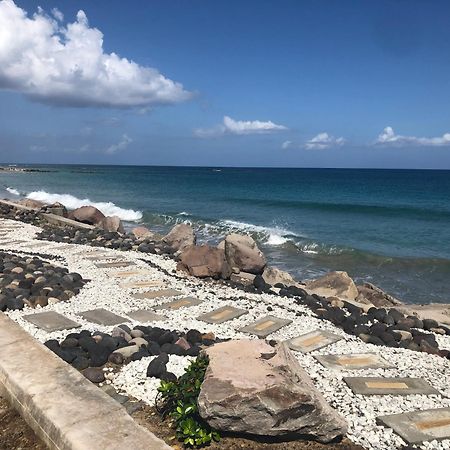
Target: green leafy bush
(178,400)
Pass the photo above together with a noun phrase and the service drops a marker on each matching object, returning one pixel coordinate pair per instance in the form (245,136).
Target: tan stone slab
(353,361)
(105,258)
(419,426)
(389,386)
(223,314)
(150,295)
(313,341)
(181,303)
(141,284)
(64,409)
(144,315)
(265,326)
(110,265)
(130,273)
(51,321)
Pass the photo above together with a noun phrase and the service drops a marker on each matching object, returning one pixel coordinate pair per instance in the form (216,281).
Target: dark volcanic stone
(158,366)
(80,363)
(95,375)
(429,323)
(168,376)
(194,336)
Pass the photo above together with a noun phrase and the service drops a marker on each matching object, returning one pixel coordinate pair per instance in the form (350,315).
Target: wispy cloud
(319,142)
(124,142)
(389,138)
(67,65)
(239,127)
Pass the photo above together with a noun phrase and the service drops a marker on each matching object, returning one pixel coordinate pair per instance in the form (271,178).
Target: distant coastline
(15,169)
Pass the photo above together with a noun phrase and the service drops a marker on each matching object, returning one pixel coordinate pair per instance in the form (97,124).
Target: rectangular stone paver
(150,295)
(181,303)
(313,341)
(102,257)
(51,321)
(144,315)
(37,244)
(222,314)
(102,317)
(418,426)
(129,273)
(141,284)
(265,326)
(353,361)
(389,386)
(108,265)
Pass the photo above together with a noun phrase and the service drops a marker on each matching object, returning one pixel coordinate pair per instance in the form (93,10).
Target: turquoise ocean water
(389,227)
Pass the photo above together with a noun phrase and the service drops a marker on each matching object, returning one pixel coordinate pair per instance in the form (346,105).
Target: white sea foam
(273,235)
(72,202)
(13,191)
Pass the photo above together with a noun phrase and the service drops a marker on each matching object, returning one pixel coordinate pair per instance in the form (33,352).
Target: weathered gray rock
(334,284)
(243,278)
(180,237)
(369,293)
(272,276)
(112,224)
(242,252)
(204,261)
(58,209)
(87,214)
(251,387)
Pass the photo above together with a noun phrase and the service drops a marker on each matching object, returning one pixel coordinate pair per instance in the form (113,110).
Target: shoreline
(104,291)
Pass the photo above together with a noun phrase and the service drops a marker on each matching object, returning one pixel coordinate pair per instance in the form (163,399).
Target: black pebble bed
(85,350)
(32,281)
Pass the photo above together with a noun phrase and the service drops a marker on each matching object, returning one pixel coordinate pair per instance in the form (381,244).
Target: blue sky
(254,83)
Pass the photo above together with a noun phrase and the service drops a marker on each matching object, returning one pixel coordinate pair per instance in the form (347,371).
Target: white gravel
(103,291)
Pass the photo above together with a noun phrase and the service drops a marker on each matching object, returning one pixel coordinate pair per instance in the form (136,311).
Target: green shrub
(178,400)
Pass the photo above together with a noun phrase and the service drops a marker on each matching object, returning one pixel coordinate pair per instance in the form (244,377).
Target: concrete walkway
(64,409)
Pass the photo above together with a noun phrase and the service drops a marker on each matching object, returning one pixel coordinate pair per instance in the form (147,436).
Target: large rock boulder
(142,232)
(87,214)
(371,294)
(334,284)
(180,237)
(112,224)
(251,387)
(204,261)
(30,203)
(57,208)
(242,252)
(272,275)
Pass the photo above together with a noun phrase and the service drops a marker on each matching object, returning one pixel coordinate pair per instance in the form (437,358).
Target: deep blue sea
(389,227)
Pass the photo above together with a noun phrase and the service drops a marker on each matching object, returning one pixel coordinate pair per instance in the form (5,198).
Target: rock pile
(33,282)
(379,326)
(85,349)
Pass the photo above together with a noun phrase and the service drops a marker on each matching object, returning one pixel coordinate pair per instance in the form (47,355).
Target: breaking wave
(13,191)
(72,202)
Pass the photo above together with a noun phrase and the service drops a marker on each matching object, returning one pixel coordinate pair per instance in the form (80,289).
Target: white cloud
(239,127)
(67,65)
(322,141)
(388,137)
(286,144)
(124,142)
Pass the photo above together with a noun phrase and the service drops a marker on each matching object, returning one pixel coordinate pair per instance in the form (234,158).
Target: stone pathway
(322,349)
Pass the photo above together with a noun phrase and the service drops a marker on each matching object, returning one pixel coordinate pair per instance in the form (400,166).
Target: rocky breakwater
(89,352)
(33,282)
(253,388)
